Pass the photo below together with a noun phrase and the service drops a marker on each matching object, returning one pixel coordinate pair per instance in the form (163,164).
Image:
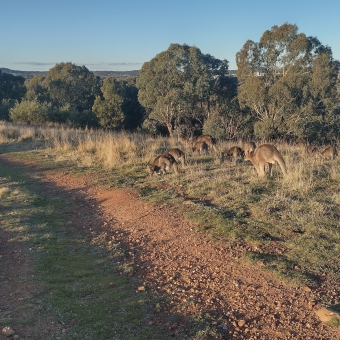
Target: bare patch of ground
(170,257)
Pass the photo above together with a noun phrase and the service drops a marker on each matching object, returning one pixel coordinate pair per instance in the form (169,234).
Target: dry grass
(3,191)
(299,212)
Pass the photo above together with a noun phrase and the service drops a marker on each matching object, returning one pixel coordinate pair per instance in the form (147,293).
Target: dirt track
(170,257)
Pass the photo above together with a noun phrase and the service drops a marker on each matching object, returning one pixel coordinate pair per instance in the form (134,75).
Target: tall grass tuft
(298,213)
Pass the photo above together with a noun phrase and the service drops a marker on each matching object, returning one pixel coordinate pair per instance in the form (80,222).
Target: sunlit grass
(298,213)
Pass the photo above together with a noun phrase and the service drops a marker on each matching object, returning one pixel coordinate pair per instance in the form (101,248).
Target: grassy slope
(80,284)
(290,224)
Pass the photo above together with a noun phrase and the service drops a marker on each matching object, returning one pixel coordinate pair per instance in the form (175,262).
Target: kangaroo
(266,153)
(178,154)
(306,148)
(162,164)
(200,146)
(249,147)
(233,152)
(311,149)
(182,140)
(208,140)
(301,145)
(329,152)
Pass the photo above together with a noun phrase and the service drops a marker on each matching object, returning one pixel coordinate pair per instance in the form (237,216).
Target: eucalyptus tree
(11,87)
(134,112)
(287,81)
(173,84)
(108,108)
(69,84)
(36,89)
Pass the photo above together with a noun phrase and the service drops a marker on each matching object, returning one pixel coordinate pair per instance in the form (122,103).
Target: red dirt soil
(170,257)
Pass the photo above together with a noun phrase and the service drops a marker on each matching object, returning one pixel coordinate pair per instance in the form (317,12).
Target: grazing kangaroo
(162,164)
(311,149)
(200,147)
(329,152)
(249,147)
(306,148)
(233,152)
(266,153)
(208,140)
(301,145)
(182,140)
(178,154)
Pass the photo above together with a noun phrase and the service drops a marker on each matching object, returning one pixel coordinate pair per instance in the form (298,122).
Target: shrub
(30,112)
(5,106)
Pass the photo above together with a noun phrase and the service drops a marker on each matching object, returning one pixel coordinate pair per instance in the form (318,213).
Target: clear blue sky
(122,35)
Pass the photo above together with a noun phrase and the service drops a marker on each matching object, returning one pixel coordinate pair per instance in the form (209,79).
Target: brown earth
(170,257)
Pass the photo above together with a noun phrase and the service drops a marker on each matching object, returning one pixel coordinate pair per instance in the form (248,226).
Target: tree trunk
(170,129)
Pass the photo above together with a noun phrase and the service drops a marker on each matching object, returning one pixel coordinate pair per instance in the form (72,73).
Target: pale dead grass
(4,191)
(111,149)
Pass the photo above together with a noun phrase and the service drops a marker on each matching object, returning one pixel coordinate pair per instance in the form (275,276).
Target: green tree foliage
(12,88)
(173,83)
(69,84)
(30,112)
(118,106)
(288,83)
(5,106)
(84,119)
(36,89)
(134,112)
(109,108)
(181,86)
(226,120)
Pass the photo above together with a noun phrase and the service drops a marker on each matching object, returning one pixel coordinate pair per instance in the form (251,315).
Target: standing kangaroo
(329,152)
(266,153)
(208,140)
(199,146)
(162,164)
(178,154)
(249,147)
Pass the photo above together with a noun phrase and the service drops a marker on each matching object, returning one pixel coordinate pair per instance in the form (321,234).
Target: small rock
(241,323)
(8,331)
(141,289)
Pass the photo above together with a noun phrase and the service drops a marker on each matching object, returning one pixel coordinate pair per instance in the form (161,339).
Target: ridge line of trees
(285,87)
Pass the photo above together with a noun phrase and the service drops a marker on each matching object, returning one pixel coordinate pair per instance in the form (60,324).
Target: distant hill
(25,74)
(102,74)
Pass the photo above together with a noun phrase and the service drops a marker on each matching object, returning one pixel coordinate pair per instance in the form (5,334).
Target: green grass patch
(80,285)
(300,213)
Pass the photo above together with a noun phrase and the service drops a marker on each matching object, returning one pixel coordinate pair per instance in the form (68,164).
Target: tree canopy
(36,89)
(286,87)
(109,108)
(11,87)
(177,83)
(69,84)
(287,80)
